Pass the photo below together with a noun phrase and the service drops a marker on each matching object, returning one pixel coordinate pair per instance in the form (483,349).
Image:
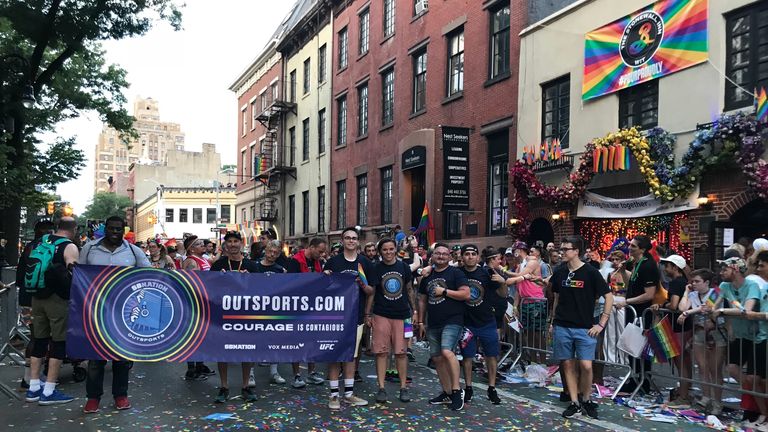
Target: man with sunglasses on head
(349,261)
(577,286)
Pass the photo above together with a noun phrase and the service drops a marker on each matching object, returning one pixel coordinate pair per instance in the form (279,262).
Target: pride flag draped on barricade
(145,314)
(662,342)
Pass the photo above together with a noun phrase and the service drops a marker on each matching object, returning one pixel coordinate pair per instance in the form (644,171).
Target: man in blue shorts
(576,287)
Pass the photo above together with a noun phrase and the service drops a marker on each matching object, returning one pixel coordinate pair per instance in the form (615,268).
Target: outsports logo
(145,314)
(433,298)
(476,292)
(641,38)
(392,284)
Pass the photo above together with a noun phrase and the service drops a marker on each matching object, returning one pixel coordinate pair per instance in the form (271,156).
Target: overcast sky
(189,73)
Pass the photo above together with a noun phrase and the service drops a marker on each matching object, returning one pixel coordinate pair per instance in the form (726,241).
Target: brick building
(402,76)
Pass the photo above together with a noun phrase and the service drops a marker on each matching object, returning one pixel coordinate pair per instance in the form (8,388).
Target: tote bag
(632,340)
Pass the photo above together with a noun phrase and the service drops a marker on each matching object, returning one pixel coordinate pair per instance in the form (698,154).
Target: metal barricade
(9,317)
(707,351)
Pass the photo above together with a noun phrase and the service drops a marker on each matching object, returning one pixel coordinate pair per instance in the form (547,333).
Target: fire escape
(270,167)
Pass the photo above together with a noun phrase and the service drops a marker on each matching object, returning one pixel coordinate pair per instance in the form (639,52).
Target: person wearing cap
(195,247)
(232,260)
(741,296)
(455,256)
(498,298)
(480,320)
(674,267)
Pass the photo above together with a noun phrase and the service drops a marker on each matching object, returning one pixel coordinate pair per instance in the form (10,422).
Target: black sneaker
(589,408)
(565,397)
(468,393)
(573,410)
(193,375)
(358,378)
(457,400)
(493,396)
(202,369)
(442,398)
(411,357)
(23,385)
(249,395)
(430,363)
(223,395)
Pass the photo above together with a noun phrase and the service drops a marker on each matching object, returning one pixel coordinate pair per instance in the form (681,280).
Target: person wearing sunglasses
(577,286)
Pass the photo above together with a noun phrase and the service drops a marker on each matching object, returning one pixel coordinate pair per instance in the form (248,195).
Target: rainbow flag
(761,105)
(425,225)
(361,274)
(712,297)
(663,342)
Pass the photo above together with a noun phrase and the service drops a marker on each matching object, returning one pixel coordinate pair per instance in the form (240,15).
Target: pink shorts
(388,334)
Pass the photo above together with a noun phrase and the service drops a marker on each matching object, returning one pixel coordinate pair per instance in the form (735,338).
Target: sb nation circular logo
(641,38)
(145,314)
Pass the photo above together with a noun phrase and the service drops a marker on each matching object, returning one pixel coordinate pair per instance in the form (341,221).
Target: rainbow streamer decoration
(361,274)
(610,158)
(425,225)
(761,105)
(631,50)
(662,341)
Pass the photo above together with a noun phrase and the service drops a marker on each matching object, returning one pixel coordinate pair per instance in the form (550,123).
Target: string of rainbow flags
(605,158)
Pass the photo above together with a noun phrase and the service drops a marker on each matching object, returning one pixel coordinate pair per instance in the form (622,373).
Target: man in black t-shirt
(234,261)
(391,310)
(349,261)
(442,294)
(479,319)
(576,287)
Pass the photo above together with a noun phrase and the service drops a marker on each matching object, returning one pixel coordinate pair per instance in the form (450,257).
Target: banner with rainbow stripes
(660,39)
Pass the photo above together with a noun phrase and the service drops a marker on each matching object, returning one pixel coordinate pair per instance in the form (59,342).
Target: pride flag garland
(549,150)
(662,342)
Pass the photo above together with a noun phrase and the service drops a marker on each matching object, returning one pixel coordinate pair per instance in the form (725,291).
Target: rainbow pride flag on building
(761,105)
(663,342)
(426,226)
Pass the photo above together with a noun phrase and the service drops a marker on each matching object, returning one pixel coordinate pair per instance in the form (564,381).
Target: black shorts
(761,359)
(744,351)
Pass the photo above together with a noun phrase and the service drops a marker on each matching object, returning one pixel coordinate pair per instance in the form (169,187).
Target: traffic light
(51,207)
(66,210)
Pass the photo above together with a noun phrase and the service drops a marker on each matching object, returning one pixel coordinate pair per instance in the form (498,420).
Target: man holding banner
(234,261)
(350,262)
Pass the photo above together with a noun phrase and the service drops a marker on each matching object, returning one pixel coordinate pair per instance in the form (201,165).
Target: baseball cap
(234,234)
(469,248)
(520,245)
(509,251)
(456,248)
(735,263)
(677,260)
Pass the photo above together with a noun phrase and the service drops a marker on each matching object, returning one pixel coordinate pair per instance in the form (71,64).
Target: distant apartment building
(114,156)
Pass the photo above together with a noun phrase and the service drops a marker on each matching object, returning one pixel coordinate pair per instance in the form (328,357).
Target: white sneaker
(315,378)
(277,379)
(298,382)
(251,380)
(762,427)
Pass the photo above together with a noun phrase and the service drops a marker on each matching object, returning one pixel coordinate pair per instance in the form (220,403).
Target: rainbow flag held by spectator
(361,274)
(663,342)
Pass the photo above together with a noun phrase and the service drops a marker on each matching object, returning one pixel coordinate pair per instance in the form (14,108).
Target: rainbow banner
(660,39)
(145,314)
(664,343)
(761,105)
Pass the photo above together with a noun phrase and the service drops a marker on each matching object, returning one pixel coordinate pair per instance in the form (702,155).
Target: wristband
(600,325)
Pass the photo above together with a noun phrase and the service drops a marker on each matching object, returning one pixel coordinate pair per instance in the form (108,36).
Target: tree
(53,48)
(106,204)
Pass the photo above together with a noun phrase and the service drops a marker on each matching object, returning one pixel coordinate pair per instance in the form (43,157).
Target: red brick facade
(481,104)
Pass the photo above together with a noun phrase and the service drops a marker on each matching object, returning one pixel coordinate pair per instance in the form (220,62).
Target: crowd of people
(457,298)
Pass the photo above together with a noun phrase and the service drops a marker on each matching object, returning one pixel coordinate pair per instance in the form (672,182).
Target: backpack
(38,263)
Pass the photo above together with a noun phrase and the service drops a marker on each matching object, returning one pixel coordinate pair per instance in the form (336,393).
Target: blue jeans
(573,343)
(444,338)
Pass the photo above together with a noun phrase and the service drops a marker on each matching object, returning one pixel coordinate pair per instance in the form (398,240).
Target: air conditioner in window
(421,6)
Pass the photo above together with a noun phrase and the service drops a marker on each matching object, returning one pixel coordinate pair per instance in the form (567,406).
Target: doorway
(418,192)
(541,230)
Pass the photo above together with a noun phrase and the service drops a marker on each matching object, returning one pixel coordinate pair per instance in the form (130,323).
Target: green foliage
(106,204)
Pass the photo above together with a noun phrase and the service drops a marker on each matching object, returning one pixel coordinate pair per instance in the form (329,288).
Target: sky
(189,72)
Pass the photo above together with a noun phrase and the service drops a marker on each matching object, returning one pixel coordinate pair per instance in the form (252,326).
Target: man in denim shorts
(442,295)
(576,287)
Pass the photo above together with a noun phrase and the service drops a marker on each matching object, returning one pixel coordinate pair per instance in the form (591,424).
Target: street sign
(214,230)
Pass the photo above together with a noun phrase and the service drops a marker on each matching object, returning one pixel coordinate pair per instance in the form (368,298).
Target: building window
(453,222)
(498,181)
(456,62)
(341,122)
(499,42)
(365,29)
(292,146)
(388,97)
(243,166)
(305,212)
(210,215)
(321,131)
(254,113)
(292,215)
(243,215)
(386,195)
(341,204)
(639,106)
(321,64)
(183,215)
(197,215)
(169,215)
(305,139)
(306,76)
(420,7)
(343,48)
(420,81)
(556,102)
(245,121)
(389,18)
(746,54)
(226,210)
(253,211)
(275,91)
(362,110)
(362,200)
(292,83)
(321,209)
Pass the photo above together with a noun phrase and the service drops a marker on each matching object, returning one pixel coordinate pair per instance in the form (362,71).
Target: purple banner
(145,314)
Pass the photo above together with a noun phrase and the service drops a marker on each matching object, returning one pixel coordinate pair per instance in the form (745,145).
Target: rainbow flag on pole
(761,105)
(663,342)
(426,226)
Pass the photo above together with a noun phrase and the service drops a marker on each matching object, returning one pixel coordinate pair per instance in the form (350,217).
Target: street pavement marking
(545,406)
